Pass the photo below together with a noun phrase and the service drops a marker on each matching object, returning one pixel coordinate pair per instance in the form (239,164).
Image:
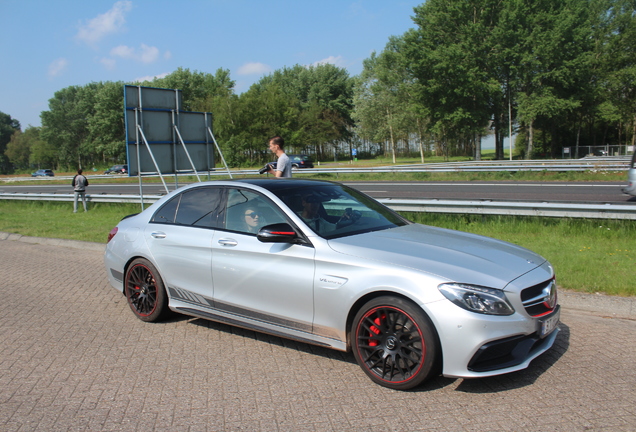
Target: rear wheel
(145,292)
(394,343)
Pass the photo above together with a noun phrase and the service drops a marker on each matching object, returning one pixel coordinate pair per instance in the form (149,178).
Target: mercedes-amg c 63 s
(325,264)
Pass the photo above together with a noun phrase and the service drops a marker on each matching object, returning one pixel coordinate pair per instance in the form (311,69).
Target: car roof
(276,184)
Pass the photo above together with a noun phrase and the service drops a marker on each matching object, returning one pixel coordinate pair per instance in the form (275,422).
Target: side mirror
(278,233)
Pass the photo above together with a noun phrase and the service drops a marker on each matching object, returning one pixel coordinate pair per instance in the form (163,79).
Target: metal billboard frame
(163,139)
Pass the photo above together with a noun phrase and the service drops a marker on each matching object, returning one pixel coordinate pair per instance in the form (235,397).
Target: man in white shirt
(283,166)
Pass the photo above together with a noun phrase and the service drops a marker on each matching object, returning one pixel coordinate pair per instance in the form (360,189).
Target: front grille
(540,299)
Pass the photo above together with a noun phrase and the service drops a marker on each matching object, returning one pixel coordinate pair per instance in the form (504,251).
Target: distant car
(600,152)
(301,161)
(117,169)
(322,263)
(298,161)
(43,173)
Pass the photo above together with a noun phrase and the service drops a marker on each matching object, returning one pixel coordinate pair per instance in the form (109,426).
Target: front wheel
(145,292)
(394,343)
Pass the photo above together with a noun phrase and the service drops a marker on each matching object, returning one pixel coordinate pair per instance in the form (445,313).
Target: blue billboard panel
(163,139)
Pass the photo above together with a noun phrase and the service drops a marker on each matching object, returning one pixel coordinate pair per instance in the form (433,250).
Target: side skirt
(209,315)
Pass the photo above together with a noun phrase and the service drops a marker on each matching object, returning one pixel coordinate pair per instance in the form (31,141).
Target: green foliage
(384,104)
(8,126)
(106,135)
(311,106)
(26,149)
(65,125)
(57,220)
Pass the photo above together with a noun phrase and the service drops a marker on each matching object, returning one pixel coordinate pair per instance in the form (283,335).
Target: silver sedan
(324,264)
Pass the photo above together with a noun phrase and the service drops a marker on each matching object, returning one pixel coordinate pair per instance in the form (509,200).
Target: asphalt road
(499,191)
(74,358)
(583,192)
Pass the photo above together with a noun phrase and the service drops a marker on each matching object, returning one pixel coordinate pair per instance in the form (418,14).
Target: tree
(42,153)
(447,54)
(106,127)
(553,54)
(618,61)
(268,111)
(18,150)
(197,88)
(325,91)
(382,99)
(8,126)
(65,125)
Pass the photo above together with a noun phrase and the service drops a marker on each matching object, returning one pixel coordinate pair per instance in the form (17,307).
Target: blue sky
(48,45)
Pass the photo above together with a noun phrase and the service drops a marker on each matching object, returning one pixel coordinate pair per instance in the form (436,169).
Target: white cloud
(336,61)
(145,54)
(148,54)
(57,67)
(150,77)
(102,25)
(109,63)
(254,69)
(123,51)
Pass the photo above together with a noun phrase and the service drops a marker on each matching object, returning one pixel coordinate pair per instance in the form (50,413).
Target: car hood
(453,255)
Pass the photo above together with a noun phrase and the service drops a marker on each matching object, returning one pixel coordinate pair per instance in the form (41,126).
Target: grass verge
(588,255)
(57,220)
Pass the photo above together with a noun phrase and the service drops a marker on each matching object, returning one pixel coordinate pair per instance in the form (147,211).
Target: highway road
(574,192)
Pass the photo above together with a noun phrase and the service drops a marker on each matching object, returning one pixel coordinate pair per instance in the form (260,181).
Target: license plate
(548,324)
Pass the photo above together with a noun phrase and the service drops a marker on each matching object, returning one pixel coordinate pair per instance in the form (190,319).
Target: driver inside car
(311,215)
(313,211)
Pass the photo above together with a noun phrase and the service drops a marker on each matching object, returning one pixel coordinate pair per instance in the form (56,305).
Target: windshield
(334,211)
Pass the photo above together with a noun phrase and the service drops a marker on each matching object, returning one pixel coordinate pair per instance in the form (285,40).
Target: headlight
(477,299)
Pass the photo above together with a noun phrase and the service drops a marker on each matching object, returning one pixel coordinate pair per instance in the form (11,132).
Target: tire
(145,292)
(395,343)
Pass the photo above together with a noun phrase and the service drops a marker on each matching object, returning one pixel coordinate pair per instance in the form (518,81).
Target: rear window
(201,207)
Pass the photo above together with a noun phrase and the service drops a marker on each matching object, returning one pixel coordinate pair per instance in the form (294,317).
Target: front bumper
(513,351)
(475,345)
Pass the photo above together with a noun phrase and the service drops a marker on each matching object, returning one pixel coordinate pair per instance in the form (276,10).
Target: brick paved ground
(73,357)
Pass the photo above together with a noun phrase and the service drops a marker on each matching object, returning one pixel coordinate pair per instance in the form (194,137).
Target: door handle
(227,242)
(158,234)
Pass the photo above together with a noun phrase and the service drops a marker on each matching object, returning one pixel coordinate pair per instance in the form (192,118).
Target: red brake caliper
(375,330)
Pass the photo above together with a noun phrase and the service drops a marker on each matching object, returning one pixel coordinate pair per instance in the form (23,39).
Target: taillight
(111,234)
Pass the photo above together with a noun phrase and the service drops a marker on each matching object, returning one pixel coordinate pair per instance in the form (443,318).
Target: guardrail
(510,208)
(105,198)
(605,163)
(486,207)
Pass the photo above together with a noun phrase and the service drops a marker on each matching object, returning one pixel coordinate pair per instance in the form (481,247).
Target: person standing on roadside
(283,166)
(79,184)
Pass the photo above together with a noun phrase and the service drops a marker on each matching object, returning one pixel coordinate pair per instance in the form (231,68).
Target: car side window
(167,212)
(201,207)
(247,212)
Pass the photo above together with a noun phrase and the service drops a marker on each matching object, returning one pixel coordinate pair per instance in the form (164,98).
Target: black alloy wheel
(145,292)
(394,343)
